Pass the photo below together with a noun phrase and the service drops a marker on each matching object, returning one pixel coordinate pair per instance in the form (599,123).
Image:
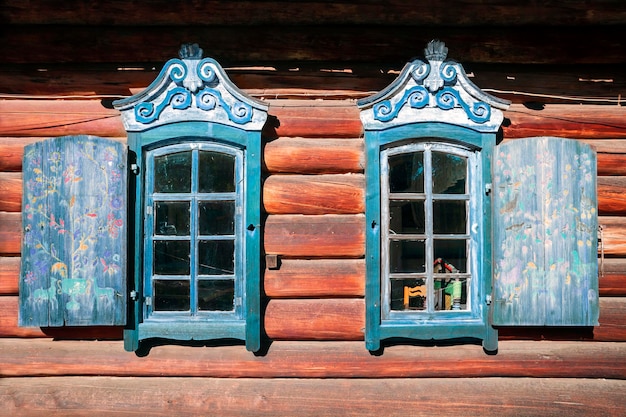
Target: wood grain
(322,319)
(312,397)
(314,359)
(311,278)
(324,236)
(314,194)
(314,156)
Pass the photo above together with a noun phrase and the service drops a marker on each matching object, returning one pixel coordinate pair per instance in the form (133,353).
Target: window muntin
(194,233)
(426,247)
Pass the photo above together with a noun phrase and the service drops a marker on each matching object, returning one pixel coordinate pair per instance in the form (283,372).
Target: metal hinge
(134,168)
(488,299)
(133,295)
(488,188)
(148,301)
(149,210)
(238,301)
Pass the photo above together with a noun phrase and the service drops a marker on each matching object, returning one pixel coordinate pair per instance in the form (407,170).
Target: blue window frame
(197,188)
(430,137)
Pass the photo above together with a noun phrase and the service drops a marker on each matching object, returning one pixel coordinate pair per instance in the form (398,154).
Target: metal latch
(488,188)
(133,295)
(488,299)
(148,301)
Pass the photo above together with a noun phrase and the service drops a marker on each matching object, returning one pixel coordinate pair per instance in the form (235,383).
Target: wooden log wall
(563,64)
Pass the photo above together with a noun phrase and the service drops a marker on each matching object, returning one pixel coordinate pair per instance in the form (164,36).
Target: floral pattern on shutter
(545,233)
(74,233)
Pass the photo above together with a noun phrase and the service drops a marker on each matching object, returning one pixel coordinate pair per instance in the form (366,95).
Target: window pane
(451,294)
(216,295)
(449,217)
(407,256)
(453,252)
(406,173)
(172,218)
(171,257)
(216,173)
(449,173)
(216,257)
(216,217)
(408,294)
(406,217)
(171,295)
(172,173)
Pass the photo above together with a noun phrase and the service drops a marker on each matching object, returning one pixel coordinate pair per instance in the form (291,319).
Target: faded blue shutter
(545,233)
(74,233)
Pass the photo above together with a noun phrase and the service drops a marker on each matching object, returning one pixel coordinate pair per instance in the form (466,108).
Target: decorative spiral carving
(206,100)
(447,99)
(421,72)
(206,72)
(177,70)
(178,97)
(448,72)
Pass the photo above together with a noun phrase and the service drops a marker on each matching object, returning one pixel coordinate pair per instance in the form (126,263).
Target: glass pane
(216,295)
(171,295)
(449,173)
(216,173)
(453,252)
(449,217)
(172,173)
(407,256)
(406,173)
(451,294)
(171,257)
(406,217)
(216,257)
(216,217)
(172,218)
(408,294)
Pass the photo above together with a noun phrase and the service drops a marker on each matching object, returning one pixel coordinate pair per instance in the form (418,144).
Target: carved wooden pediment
(434,90)
(188,89)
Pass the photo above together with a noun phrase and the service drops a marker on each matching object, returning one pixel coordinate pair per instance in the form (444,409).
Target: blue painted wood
(74,245)
(193,103)
(545,233)
(431,102)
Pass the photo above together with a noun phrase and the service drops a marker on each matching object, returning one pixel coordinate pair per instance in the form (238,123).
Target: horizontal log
(328,319)
(9,275)
(323,80)
(164,13)
(10,233)
(305,118)
(313,359)
(612,281)
(296,278)
(10,191)
(314,194)
(274,43)
(323,194)
(58,396)
(314,156)
(611,199)
(325,236)
(613,235)
(322,319)
(611,164)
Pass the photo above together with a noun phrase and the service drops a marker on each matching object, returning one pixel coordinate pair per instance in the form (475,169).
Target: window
(427,208)
(194,231)
(197,190)
(438,221)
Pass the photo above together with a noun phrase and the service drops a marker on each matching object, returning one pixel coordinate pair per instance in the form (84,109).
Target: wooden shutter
(74,233)
(545,233)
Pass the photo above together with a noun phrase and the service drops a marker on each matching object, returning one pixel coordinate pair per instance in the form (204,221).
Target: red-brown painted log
(613,235)
(320,319)
(314,359)
(10,233)
(297,278)
(611,199)
(234,397)
(314,156)
(314,194)
(9,275)
(325,236)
